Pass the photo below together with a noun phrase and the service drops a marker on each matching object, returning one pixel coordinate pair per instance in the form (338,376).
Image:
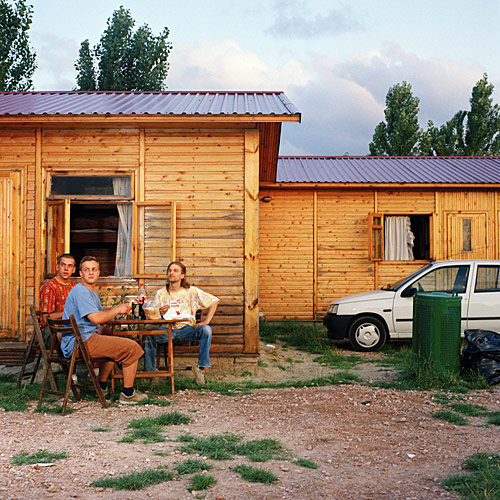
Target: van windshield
(398,284)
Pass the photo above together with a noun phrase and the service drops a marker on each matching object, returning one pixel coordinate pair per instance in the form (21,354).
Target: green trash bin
(436,329)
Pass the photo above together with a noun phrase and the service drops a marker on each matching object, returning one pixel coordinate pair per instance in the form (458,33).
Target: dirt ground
(368,443)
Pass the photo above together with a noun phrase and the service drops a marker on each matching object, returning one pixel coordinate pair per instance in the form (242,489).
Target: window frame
(376,232)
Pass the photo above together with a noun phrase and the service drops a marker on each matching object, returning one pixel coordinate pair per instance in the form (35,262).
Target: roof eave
(375,185)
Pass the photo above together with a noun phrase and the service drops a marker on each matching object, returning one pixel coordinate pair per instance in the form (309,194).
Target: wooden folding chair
(37,348)
(69,365)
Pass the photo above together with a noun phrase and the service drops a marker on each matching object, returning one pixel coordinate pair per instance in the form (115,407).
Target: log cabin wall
(314,242)
(203,171)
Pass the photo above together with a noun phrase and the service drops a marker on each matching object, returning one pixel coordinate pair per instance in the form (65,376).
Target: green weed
(201,482)
(262,363)
(483,480)
(494,418)
(471,410)
(255,475)
(100,429)
(225,446)
(149,428)
(450,417)
(304,462)
(135,480)
(191,466)
(41,456)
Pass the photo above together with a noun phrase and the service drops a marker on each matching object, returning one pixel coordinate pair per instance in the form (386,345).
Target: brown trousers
(119,349)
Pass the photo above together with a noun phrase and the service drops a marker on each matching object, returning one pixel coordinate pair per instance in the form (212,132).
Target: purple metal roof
(387,169)
(146,103)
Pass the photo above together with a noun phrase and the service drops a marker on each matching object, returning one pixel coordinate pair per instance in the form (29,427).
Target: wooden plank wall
(286,254)
(343,267)
(203,171)
(17,154)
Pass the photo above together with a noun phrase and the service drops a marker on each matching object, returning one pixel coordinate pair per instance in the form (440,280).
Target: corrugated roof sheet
(387,169)
(145,103)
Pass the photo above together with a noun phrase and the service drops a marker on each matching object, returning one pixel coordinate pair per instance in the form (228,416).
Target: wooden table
(141,331)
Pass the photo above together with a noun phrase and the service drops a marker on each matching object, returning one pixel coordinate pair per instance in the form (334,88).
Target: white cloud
(292,21)
(224,65)
(56,57)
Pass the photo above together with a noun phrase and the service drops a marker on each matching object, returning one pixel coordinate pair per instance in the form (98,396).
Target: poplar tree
(399,134)
(17,58)
(124,59)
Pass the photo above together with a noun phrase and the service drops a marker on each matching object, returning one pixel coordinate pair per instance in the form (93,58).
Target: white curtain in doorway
(399,239)
(123,263)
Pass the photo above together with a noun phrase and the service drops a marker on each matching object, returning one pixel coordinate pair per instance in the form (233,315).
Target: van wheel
(367,334)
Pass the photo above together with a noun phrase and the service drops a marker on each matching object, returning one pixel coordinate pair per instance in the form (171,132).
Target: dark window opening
(94,231)
(421,231)
(87,186)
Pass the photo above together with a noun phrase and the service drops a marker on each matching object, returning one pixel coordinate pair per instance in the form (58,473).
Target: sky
(335,60)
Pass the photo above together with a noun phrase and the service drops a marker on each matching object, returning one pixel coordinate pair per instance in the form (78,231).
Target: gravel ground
(368,443)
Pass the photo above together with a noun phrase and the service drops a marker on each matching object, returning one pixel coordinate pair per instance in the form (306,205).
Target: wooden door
(467,236)
(10,269)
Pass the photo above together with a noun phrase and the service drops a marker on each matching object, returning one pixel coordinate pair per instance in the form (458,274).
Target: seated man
(53,292)
(189,299)
(84,303)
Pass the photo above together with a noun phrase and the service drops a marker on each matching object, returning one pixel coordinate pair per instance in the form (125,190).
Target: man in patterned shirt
(53,292)
(190,299)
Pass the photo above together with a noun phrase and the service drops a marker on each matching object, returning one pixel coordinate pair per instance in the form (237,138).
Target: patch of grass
(305,337)
(226,446)
(246,386)
(334,359)
(416,373)
(494,418)
(41,456)
(149,428)
(13,398)
(247,373)
(262,363)
(325,440)
(483,481)
(254,474)
(281,367)
(55,410)
(471,410)
(451,417)
(304,462)
(135,480)
(171,418)
(201,482)
(161,453)
(289,360)
(191,466)
(100,429)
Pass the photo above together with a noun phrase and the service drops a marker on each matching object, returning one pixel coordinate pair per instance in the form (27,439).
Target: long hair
(184,283)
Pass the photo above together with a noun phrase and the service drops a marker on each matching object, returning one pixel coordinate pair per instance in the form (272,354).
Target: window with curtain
(399,237)
(91,215)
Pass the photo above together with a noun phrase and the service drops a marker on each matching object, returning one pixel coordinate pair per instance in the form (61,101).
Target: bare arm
(210,311)
(108,314)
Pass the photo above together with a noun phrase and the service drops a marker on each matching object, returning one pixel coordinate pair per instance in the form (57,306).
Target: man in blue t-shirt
(84,303)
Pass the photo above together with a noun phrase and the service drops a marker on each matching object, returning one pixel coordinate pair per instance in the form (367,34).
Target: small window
(87,186)
(466,235)
(488,279)
(399,237)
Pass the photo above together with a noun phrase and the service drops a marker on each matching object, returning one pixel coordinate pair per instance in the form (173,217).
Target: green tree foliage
(124,59)
(470,133)
(17,58)
(400,133)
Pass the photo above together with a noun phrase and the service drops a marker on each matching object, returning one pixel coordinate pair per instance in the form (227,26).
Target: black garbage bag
(482,354)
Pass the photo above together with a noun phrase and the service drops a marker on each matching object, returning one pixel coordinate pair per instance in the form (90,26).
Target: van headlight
(333,309)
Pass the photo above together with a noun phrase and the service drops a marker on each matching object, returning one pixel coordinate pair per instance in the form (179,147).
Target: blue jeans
(202,333)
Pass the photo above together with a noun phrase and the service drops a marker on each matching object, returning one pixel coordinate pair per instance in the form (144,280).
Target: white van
(370,319)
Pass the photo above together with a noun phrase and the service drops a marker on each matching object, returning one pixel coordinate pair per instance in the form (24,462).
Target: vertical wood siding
(286,253)
(203,172)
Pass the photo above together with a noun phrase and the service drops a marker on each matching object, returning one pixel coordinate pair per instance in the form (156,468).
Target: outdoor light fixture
(266,199)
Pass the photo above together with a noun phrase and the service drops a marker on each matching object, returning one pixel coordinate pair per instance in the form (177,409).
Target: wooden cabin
(138,179)
(336,226)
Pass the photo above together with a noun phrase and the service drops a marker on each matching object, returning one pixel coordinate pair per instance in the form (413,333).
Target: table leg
(171,355)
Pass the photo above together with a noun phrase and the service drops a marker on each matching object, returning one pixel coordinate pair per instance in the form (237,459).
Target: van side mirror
(409,292)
